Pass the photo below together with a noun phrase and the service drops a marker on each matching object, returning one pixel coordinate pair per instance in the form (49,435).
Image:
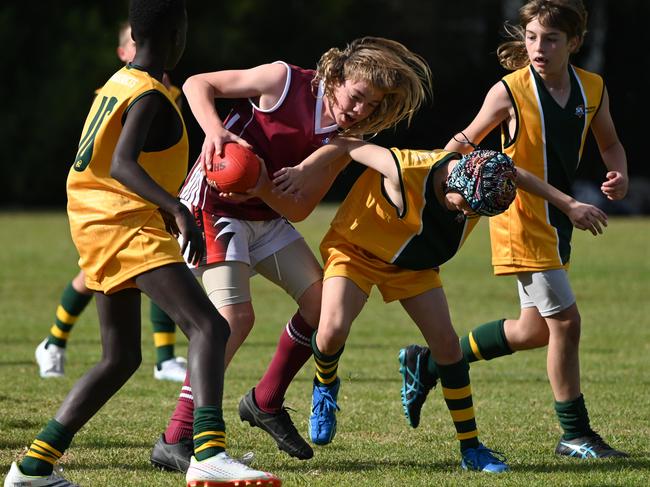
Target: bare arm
(325,163)
(316,174)
(612,152)
(496,109)
(298,180)
(582,215)
(126,169)
(266,81)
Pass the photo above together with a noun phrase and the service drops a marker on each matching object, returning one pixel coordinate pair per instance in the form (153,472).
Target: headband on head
(487,181)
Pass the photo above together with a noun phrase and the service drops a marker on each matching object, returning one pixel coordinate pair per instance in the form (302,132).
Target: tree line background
(57,53)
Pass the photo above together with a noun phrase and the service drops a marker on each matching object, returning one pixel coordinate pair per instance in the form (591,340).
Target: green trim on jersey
(443,231)
(563,127)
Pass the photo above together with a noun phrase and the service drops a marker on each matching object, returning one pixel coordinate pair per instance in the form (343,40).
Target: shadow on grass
(104,442)
(9,363)
(637,462)
(352,466)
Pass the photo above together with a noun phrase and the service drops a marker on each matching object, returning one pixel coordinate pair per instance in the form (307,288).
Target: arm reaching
(299,180)
(297,206)
(582,215)
(296,191)
(496,108)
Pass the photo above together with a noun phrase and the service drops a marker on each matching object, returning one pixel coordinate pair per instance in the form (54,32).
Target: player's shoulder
(589,76)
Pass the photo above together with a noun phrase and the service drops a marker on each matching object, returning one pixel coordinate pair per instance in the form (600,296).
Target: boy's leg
(578,439)
(176,291)
(50,353)
(119,317)
(342,302)
(228,289)
(168,366)
(295,269)
(547,296)
(430,312)
(485,342)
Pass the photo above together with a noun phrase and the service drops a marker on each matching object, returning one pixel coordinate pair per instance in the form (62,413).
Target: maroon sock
(294,349)
(181,423)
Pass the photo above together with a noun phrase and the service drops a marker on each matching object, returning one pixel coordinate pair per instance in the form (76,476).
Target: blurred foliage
(57,53)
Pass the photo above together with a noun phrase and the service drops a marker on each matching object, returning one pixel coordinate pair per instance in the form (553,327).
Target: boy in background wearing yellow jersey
(131,160)
(545,108)
(50,353)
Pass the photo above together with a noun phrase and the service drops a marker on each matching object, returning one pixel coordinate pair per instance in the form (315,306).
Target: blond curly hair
(403,76)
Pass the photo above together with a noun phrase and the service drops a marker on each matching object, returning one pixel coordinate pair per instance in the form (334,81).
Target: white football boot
(173,369)
(221,470)
(15,478)
(50,360)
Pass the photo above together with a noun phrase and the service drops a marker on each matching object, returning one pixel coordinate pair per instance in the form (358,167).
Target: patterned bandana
(486,179)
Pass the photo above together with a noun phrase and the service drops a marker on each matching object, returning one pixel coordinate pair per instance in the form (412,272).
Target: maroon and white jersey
(283,136)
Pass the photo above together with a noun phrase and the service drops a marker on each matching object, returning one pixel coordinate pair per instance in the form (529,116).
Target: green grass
(374,446)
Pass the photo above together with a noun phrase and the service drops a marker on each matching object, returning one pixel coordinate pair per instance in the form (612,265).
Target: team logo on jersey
(326,140)
(580,111)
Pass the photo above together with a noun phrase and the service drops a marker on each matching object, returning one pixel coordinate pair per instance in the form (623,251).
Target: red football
(236,171)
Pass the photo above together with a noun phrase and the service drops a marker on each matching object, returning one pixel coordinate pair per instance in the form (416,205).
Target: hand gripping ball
(235,171)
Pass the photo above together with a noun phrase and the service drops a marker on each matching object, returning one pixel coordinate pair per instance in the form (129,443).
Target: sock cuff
(579,401)
(56,433)
(502,334)
(208,418)
(299,330)
(318,355)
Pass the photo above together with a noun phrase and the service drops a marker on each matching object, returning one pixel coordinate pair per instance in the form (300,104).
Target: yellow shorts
(344,259)
(112,255)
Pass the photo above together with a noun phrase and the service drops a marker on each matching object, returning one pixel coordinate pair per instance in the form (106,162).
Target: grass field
(374,445)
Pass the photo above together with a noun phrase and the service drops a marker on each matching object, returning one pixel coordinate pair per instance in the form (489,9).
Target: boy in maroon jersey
(284,113)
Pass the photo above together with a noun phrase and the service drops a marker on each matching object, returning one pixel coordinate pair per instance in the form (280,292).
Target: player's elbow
(117,170)
(298,211)
(297,216)
(189,84)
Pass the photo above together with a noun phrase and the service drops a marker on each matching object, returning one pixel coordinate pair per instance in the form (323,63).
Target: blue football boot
(482,459)
(322,422)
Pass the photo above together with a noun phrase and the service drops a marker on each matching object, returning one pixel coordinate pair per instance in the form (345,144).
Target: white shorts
(238,249)
(229,239)
(548,291)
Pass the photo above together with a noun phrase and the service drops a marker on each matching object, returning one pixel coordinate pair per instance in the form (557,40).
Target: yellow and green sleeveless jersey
(98,203)
(424,235)
(533,235)
(175,93)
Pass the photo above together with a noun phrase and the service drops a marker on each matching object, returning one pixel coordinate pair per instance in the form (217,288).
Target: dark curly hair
(148,18)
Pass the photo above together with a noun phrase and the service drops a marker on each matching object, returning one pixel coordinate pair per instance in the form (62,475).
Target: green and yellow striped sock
(164,334)
(485,342)
(326,365)
(46,449)
(209,432)
(71,306)
(457,391)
